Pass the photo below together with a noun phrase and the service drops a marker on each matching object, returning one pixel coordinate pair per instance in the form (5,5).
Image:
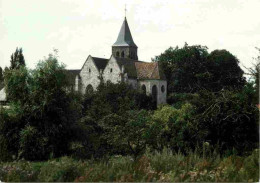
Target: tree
(17,59)
(230,118)
(16,84)
(192,68)
(115,98)
(224,71)
(126,133)
(183,67)
(43,108)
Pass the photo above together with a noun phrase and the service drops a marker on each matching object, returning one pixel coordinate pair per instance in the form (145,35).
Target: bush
(174,128)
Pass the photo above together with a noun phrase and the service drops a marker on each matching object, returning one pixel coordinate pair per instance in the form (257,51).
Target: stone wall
(112,71)
(161,86)
(89,74)
(133,83)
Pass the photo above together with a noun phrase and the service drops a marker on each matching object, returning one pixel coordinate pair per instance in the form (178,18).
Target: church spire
(124,47)
(124,37)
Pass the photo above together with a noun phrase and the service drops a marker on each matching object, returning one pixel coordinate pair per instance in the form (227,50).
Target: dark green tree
(230,118)
(126,134)
(42,111)
(191,68)
(17,59)
(115,98)
(224,71)
(183,67)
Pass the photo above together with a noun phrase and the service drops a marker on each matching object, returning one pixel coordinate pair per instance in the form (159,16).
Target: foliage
(182,66)
(17,59)
(174,128)
(115,98)
(87,143)
(16,84)
(229,117)
(165,166)
(225,71)
(42,108)
(126,133)
(191,68)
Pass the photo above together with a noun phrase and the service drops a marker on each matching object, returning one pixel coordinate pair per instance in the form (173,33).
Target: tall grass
(165,166)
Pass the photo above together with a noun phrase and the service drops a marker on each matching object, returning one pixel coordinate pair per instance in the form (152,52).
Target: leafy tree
(17,59)
(46,110)
(192,68)
(183,67)
(174,128)
(115,98)
(224,71)
(229,117)
(126,133)
(104,107)
(16,84)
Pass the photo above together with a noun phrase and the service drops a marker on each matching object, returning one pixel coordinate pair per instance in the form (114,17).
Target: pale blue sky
(78,28)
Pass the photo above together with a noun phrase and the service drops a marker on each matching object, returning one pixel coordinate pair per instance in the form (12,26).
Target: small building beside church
(122,66)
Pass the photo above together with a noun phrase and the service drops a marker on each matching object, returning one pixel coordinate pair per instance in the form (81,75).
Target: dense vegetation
(164,166)
(209,126)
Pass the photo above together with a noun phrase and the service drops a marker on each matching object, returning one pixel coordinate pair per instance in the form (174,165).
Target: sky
(78,28)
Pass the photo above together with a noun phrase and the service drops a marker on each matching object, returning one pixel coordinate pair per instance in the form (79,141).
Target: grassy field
(163,167)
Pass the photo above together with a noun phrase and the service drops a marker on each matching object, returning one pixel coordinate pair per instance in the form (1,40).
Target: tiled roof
(141,70)
(124,37)
(100,62)
(150,70)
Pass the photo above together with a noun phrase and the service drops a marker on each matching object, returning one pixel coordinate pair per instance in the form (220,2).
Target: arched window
(117,53)
(144,89)
(122,54)
(89,89)
(154,93)
(89,70)
(162,88)
(111,70)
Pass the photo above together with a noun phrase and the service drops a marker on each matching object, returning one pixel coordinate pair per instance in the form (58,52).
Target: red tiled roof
(147,70)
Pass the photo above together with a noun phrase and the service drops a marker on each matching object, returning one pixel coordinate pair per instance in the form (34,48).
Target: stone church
(122,66)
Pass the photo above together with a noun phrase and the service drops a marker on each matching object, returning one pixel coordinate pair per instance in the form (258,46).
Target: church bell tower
(124,47)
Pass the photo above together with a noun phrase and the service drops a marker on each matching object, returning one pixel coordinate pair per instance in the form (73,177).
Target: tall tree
(192,68)
(17,59)
(183,67)
(224,70)
(46,111)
